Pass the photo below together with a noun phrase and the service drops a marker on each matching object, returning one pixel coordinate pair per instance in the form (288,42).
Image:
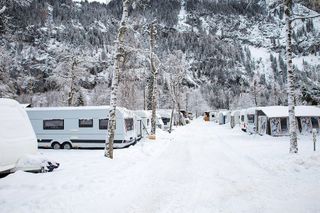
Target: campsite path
(202,171)
(201,167)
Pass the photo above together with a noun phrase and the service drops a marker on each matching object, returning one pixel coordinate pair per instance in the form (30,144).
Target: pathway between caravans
(207,168)
(201,167)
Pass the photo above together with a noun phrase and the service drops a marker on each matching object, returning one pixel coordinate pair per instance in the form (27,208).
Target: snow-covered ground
(202,167)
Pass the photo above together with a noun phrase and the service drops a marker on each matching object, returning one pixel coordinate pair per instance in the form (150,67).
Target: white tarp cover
(282,111)
(17,136)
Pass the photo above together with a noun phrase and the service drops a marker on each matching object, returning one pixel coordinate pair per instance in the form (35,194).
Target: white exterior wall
(80,137)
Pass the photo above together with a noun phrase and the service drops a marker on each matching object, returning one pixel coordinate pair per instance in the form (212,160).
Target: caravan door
(262,125)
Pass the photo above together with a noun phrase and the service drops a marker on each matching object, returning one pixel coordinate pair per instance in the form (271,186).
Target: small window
(103,123)
(315,122)
(54,124)
(250,118)
(284,124)
(148,122)
(129,124)
(242,118)
(85,123)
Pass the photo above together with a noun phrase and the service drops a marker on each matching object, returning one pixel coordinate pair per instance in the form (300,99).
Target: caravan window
(103,123)
(315,123)
(129,123)
(250,118)
(85,123)
(55,124)
(165,120)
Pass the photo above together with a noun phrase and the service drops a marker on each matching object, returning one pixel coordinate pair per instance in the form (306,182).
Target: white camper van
(81,127)
(18,143)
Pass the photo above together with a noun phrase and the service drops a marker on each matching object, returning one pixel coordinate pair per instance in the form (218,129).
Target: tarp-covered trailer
(18,142)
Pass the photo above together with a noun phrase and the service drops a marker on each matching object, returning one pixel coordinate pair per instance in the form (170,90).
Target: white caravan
(18,142)
(81,127)
(235,118)
(145,126)
(224,117)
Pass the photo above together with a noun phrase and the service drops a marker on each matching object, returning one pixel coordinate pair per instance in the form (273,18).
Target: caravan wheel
(56,145)
(66,145)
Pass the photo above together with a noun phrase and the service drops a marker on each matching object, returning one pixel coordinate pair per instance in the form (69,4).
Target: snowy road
(201,167)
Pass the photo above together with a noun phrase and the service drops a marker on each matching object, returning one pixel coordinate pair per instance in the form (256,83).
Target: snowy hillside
(229,49)
(202,167)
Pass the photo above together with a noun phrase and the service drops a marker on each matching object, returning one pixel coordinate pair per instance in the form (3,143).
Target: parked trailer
(145,117)
(81,127)
(224,117)
(235,118)
(18,142)
(166,117)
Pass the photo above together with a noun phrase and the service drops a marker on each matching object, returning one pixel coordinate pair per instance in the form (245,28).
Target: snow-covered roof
(164,112)
(235,112)
(282,111)
(13,116)
(143,113)
(124,111)
(224,112)
(252,110)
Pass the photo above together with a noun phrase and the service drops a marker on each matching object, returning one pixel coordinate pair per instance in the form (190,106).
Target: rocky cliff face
(232,51)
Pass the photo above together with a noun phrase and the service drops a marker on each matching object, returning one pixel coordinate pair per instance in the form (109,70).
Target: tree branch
(3,9)
(307,17)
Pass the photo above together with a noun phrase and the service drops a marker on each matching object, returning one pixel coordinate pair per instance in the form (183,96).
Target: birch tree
(118,65)
(292,118)
(288,5)
(154,72)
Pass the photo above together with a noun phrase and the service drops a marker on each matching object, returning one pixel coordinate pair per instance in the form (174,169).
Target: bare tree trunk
(180,116)
(73,89)
(153,34)
(171,118)
(118,64)
(291,80)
